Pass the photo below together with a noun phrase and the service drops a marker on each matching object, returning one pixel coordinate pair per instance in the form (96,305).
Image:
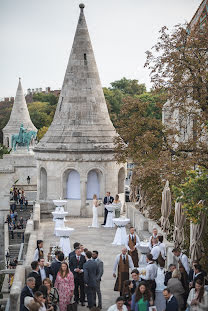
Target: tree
(42,97)
(3,150)
(178,64)
(41,132)
(193,193)
(128,86)
(41,113)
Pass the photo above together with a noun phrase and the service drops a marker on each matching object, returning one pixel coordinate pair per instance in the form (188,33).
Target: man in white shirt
(151,274)
(154,235)
(124,263)
(119,306)
(155,251)
(132,242)
(182,259)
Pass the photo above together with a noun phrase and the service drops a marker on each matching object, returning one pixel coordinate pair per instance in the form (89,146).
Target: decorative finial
(81,6)
(19,79)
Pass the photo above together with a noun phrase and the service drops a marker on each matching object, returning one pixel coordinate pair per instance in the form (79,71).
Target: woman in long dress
(95,205)
(117,204)
(65,286)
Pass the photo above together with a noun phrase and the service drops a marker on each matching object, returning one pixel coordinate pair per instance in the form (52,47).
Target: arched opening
(121,180)
(43,184)
(94,180)
(73,185)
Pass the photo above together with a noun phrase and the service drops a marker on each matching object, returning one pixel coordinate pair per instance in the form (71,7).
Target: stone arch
(71,184)
(43,184)
(94,183)
(121,180)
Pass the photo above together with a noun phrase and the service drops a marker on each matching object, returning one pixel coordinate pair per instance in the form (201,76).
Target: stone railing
(22,271)
(142,223)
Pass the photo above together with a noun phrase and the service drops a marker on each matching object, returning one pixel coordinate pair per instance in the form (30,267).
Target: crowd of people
(63,284)
(183,287)
(18,196)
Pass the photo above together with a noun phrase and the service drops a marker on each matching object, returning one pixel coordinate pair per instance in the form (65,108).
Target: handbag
(72,307)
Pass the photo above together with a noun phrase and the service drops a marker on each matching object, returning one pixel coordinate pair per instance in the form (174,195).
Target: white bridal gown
(95,223)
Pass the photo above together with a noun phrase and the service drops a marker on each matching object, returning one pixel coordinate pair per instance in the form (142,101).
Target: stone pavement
(94,239)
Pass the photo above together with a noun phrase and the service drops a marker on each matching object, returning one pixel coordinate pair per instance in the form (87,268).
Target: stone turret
(19,115)
(81,121)
(76,156)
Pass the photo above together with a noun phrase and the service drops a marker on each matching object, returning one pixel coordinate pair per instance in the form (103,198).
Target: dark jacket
(90,272)
(48,271)
(168,276)
(55,266)
(38,280)
(73,264)
(172,305)
(24,293)
(105,201)
(72,254)
(99,270)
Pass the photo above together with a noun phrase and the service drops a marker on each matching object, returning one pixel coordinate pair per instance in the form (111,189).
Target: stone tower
(19,115)
(76,156)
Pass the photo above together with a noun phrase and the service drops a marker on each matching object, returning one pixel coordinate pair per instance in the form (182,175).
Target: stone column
(83,192)
(38,184)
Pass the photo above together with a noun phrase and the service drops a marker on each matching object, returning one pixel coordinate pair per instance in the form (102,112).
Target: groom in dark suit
(107,200)
(90,277)
(76,266)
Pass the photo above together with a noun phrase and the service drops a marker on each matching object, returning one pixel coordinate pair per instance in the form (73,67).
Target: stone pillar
(83,192)
(38,184)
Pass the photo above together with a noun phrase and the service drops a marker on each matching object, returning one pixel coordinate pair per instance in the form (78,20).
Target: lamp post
(7,259)
(28,180)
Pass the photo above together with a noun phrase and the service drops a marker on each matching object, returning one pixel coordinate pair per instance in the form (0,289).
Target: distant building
(31,92)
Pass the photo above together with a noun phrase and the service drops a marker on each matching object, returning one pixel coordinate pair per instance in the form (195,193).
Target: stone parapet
(18,283)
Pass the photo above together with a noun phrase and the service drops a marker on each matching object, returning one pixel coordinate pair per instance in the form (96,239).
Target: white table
(120,236)
(58,217)
(110,216)
(64,234)
(144,249)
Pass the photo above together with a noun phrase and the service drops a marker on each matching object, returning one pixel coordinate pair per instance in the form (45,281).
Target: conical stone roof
(19,114)
(81,120)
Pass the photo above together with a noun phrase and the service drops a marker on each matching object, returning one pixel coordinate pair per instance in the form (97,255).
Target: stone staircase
(15,243)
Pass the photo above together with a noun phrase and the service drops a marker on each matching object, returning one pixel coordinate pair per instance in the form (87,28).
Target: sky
(37,36)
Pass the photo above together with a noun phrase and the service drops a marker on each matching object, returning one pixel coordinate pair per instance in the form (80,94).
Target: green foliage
(41,113)
(42,97)
(128,86)
(42,132)
(5,111)
(193,193)
(3,150)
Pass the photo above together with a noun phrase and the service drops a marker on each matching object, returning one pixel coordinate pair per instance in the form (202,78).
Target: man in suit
(76,266)
(168,274)
(107,200)
(76,245)
(44,271)
(35,274)
(98,278)
(27,291)
(56,264)
(171,302)
(199,274)
(135,279)
(90,279)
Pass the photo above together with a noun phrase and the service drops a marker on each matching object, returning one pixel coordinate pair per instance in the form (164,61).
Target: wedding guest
(99,274)
(191,271)
(162,256)
(44,271)
(198,297)
(35,274)
(65,286)
(38,251)
(56,265)
(142,298)
(154,235)
(117,204)
(76,266)
(75,245)
(136,279)
(82,249)
(95,205)
(168,274)
(171,302)
(127,294)
(176,288)
(38,297)
(132,243)
(107,200)
(90,273)
(123,262)
(52,294)
(33,306)
(198,275)
(151,274)
(27,291)
(119,305)
(155,251)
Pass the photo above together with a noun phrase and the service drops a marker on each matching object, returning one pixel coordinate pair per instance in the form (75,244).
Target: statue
(23,138)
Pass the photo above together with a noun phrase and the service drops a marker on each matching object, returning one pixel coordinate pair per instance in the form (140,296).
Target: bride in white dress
(95,223)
